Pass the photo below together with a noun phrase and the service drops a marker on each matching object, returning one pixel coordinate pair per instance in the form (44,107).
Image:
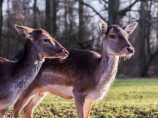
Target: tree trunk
(48,16)
(113,8)
(71,22)
(142,22)
(8,31)
(66,25)
(35,14)
(1,26)
(54,11)
(81,22)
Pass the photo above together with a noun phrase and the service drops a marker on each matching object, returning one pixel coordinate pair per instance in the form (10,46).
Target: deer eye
(46,40)
(112,36)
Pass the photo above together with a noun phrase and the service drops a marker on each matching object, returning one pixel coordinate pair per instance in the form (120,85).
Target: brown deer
(84,76)
(16,76)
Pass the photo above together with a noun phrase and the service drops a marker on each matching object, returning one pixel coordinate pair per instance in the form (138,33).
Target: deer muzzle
(129,49)
(64,53)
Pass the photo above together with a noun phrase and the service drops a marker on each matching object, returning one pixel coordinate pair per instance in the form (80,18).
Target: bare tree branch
(84,44)
(92,9)
(128,8)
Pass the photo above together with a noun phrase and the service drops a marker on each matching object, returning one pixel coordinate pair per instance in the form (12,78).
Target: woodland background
(74,23)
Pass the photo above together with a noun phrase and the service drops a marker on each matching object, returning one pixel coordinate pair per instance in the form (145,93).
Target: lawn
(127,98)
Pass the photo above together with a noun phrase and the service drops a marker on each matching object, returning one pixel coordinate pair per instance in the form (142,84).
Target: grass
(127,98)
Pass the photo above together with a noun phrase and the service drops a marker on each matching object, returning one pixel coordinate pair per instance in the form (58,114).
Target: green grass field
(127,98)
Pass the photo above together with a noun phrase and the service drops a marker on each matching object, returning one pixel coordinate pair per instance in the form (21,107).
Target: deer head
(44,44)
(115,38)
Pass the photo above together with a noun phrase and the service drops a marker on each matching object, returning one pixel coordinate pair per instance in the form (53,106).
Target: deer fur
(15,76)
(84,76)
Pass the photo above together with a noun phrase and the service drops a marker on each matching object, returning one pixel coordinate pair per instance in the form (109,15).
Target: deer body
(16,76)
(15,81)
(105,75)
(84,76)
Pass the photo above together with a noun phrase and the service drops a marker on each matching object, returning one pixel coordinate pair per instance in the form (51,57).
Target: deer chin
(62,57)
(126,56)
(124,53)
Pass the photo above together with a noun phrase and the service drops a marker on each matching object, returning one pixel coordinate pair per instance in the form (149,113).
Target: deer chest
(99,92)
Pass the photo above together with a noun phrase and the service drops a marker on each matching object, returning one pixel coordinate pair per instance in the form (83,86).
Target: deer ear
(23,31)
(103,27)
(130,27)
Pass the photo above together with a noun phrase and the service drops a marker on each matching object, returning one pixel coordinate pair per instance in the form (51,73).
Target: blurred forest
(74,23)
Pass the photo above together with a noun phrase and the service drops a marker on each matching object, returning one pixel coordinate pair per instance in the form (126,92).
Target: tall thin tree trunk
(35,14)
(1,26)
(142,38)
(54,11)
(48,16)
(71,22)
(113,8)
(81,22)
(66,26)
(8,43)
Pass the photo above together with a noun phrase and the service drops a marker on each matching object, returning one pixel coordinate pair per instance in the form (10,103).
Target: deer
(84,76)
(15,76)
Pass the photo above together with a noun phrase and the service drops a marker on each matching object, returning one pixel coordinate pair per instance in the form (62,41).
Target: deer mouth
(63,55)
(60,55)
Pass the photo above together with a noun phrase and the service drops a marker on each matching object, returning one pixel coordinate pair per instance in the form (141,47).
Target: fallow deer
(15,76)
(84,76)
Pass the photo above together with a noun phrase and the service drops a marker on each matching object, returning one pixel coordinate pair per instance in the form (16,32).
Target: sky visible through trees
(74,23)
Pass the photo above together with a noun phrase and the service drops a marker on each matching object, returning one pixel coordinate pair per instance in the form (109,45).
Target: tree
(48,16)
(146,55)
(54,11)
(8,41)
(71,20)
(50,21)
(1,26)
(35,14)
(66,23)
(114,11)
(113,8)
(142,23)
(81,22)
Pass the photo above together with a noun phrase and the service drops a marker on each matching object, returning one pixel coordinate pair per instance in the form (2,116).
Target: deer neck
(27,67)
(107,70)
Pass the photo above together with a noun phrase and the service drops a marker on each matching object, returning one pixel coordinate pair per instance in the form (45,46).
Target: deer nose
(130,50)
(65,51)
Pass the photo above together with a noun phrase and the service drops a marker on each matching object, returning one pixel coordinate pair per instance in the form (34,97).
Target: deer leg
(2,112)
(23,99)
(87,107)
(36,99)
(79,102)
